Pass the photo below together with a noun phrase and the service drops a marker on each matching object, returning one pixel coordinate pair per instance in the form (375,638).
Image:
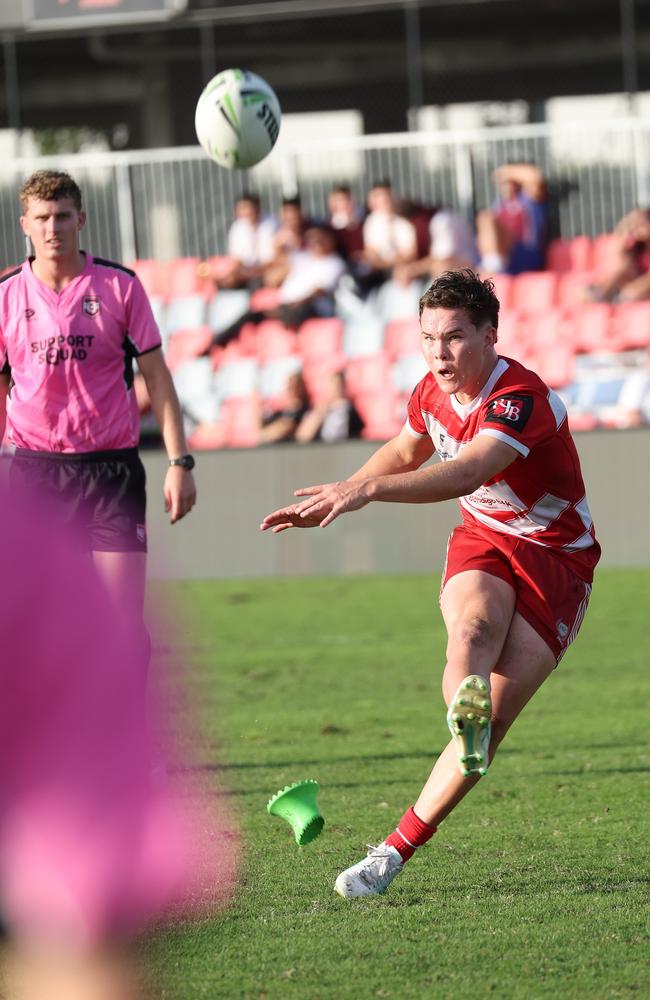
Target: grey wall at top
(221,538)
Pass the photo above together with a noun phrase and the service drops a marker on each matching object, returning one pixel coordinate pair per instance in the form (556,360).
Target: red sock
(411,832)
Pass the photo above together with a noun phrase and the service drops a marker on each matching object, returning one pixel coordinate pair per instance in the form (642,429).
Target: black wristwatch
(186,461)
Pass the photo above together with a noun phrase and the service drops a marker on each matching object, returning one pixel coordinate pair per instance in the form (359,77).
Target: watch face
(188,461)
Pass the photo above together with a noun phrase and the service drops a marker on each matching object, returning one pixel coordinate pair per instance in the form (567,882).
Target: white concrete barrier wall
(221,538)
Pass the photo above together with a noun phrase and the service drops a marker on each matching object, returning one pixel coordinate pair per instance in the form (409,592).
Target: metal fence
(175,202)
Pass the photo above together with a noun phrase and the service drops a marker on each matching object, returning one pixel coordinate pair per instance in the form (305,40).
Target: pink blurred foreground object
(89,849)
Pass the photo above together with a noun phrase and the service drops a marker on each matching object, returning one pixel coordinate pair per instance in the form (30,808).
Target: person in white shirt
(251,246)
(388,238)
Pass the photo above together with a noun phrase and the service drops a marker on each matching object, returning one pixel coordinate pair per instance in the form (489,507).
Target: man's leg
(487,638)
(124,576)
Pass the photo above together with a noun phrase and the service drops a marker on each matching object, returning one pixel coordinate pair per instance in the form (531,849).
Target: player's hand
(327,501)
(287,517)
(179,492)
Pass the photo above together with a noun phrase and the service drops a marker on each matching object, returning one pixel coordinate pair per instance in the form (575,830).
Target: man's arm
(399,455)
(484,458)
(179,490)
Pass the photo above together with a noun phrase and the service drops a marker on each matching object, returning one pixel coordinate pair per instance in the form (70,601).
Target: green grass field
(537,886)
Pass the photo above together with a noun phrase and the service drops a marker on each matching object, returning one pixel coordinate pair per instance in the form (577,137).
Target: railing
(175,202)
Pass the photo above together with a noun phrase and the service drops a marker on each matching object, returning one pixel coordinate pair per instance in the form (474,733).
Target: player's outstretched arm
(484,458)
(401,454)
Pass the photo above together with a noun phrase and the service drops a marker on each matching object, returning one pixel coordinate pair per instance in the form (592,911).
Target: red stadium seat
(367,375)
(220,265)
(632,325)
(534,291)
(380,412)
(502,288)
(274,340)
(265,298)
(512,335)
(592,329)
(572,286)
(402,336)
(555,363)
(183,345)
(316,375)
(565,255)
(207,437)
(182,278)
(153,275)
(318,338)
(241,420)
(604,256)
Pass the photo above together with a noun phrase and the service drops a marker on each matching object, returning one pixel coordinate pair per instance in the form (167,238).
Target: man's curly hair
(50,185)
(463,290)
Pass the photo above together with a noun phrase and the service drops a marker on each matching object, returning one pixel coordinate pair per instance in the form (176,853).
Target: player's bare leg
(523,662)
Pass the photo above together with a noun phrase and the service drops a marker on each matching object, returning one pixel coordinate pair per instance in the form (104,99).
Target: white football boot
(468,718)
(371,876)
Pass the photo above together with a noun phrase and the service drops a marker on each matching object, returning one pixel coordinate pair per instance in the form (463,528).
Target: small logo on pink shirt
(91,305)
(140,532)
(29,313)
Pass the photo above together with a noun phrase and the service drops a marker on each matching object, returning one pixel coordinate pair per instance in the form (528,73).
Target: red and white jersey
(70,357)
(541,496)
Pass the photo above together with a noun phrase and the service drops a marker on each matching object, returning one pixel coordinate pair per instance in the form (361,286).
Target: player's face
(459,355)
(53,227)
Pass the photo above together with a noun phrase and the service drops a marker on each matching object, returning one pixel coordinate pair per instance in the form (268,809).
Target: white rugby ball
(237,119)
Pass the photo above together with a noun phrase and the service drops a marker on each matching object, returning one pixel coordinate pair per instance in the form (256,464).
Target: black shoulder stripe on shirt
(112,263)
(11,274)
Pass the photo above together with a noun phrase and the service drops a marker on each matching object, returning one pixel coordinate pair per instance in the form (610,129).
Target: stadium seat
(316,375)
(407,371)
(512,337)
(241,422)
(272,377)
(395,301)
(184,345)
(220,265)
(207,437)
(185,312)
(319,338)
(502,288)
(592,329)
(533,291)
(195,385)
(566,255)
(153,275)
(363,337)
(226,306)
(236,379)
(604,253)
(632,325)
(380,412)
(274,340)
(182,278)
(572,288)
(402,337)
(555,363)
(265,298)
(368,375)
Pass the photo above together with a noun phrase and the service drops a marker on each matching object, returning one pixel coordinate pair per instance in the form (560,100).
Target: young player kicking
(519,568)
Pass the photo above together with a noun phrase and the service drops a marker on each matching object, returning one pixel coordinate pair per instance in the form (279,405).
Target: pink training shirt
(70,355)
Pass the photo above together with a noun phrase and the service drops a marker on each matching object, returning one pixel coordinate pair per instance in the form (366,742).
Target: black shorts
(99,496)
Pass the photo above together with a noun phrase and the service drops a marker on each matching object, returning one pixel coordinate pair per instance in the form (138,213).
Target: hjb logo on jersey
(513,411)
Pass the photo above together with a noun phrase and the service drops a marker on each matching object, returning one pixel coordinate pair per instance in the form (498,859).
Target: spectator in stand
(306,288)
(629,278)
(512,234)
(334,419)
(346,219)
(251,246)
(281,424)
(452,247)
(388,238)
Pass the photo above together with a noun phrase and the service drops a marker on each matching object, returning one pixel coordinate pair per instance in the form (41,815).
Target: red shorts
(551,598)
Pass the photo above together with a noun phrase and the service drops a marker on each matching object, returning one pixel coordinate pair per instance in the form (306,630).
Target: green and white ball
(237,119)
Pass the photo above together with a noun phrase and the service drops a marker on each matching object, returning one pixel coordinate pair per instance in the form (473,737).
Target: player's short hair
(50,185)
(463,290)
(250,196)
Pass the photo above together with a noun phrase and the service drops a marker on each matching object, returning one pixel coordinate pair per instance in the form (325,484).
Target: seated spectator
(307,286)
(451,248)
(282,424)
(512,234)
(289,237)
(388,238)
(250,246)
(334,419)
(346,219)
(629,279)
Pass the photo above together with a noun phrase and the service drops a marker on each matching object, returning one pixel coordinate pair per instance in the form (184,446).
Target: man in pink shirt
(70,326)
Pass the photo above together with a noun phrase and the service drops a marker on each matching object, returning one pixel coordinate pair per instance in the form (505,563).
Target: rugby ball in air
(237,119)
